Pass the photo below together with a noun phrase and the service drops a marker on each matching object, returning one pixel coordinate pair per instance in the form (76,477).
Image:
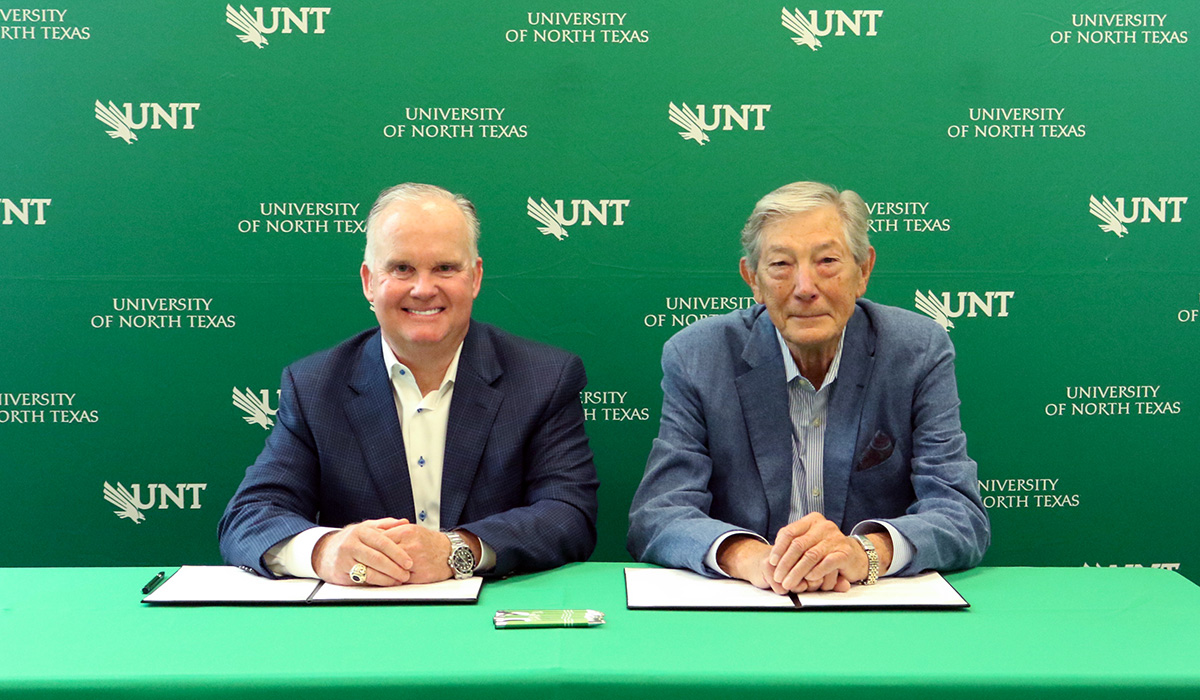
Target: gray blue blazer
(723,457)
(518,471)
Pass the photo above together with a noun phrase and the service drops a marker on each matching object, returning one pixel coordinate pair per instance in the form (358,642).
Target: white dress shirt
(424,420)
(808,408)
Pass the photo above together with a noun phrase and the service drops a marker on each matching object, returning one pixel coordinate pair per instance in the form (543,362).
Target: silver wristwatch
(872,560)
(462,559)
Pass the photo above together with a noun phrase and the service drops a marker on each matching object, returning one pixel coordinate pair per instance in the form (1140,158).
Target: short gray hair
(801,197)
(412,192)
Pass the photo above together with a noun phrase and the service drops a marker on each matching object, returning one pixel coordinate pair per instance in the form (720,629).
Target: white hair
(412,192)
(801,197)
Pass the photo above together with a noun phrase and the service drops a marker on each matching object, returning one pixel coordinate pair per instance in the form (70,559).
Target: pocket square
(880,449)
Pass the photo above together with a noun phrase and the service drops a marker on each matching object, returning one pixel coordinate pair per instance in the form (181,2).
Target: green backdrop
(980,134)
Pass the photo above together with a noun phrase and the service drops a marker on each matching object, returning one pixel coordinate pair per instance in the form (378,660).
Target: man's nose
(424,286)
(806,286)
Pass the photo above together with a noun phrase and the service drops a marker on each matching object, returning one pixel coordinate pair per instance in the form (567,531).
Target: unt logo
(257,407)
(122,122)
(252,27)
(13,212)
(705,118)
(554,220)
(807,25)
(938,307)
(130,505)
(1114,217)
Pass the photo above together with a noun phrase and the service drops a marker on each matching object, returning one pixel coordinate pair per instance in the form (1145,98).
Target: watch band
(872,560)
(462,559)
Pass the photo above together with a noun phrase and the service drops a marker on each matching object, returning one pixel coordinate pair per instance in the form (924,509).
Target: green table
(1050,632)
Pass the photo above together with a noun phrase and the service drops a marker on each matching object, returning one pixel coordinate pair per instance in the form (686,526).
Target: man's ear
(864,270)
(478,276)
(750,278)
(365,273)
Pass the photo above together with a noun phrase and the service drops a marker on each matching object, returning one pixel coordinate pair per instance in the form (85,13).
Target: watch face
(462,560)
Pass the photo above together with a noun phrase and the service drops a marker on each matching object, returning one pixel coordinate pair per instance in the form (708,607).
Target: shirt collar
(791,371)
(391,363)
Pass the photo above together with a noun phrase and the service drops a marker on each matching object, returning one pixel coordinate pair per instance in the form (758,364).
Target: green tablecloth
(1053,632)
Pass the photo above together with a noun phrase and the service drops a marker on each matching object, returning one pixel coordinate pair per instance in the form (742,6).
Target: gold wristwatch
(872,560)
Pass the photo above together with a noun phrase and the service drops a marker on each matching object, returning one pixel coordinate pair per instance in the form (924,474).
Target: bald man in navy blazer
(431,447)
(811,442)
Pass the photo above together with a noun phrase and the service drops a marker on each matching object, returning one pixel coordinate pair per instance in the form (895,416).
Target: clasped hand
(810,554)
(394,552)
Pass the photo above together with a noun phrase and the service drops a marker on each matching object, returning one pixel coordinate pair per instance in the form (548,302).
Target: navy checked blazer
(518,471)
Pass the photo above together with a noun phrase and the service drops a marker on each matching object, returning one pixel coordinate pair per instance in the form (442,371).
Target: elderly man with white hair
(813,441)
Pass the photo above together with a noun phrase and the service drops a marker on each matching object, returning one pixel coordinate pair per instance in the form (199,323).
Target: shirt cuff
(487,558)
(293,556)
(710,559)
(902,549)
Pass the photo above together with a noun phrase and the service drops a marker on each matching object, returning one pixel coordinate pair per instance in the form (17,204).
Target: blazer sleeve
(669,522)
(556,523)
(278,498)
(947,523)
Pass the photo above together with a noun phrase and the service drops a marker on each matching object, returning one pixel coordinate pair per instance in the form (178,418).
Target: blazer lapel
(762,390)
(845,411)
(371,410)
(473,409)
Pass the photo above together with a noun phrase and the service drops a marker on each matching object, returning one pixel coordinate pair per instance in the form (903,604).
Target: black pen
(153,582)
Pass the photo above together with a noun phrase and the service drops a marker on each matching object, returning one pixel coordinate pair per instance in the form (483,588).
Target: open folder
(677,589)
(230,585)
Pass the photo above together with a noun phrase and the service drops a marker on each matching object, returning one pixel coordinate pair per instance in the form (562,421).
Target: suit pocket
(881,448)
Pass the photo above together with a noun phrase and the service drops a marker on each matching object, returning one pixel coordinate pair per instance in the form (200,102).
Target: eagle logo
(800,25)
(543,213)
(249,26)
(115,118)
(258,411)
(1105,211)
(690,123)
(122,499)
(934,308)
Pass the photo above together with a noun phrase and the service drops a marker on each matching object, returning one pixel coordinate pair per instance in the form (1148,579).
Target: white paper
(448,591)
(678,588)
(923,590)
(228,584)
(200,585)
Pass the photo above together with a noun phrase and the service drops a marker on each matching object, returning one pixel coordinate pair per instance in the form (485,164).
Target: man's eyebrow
(392,262)
(824,245)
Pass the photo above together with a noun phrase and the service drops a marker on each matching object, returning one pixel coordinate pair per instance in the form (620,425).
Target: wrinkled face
(808,280)
(423,278)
